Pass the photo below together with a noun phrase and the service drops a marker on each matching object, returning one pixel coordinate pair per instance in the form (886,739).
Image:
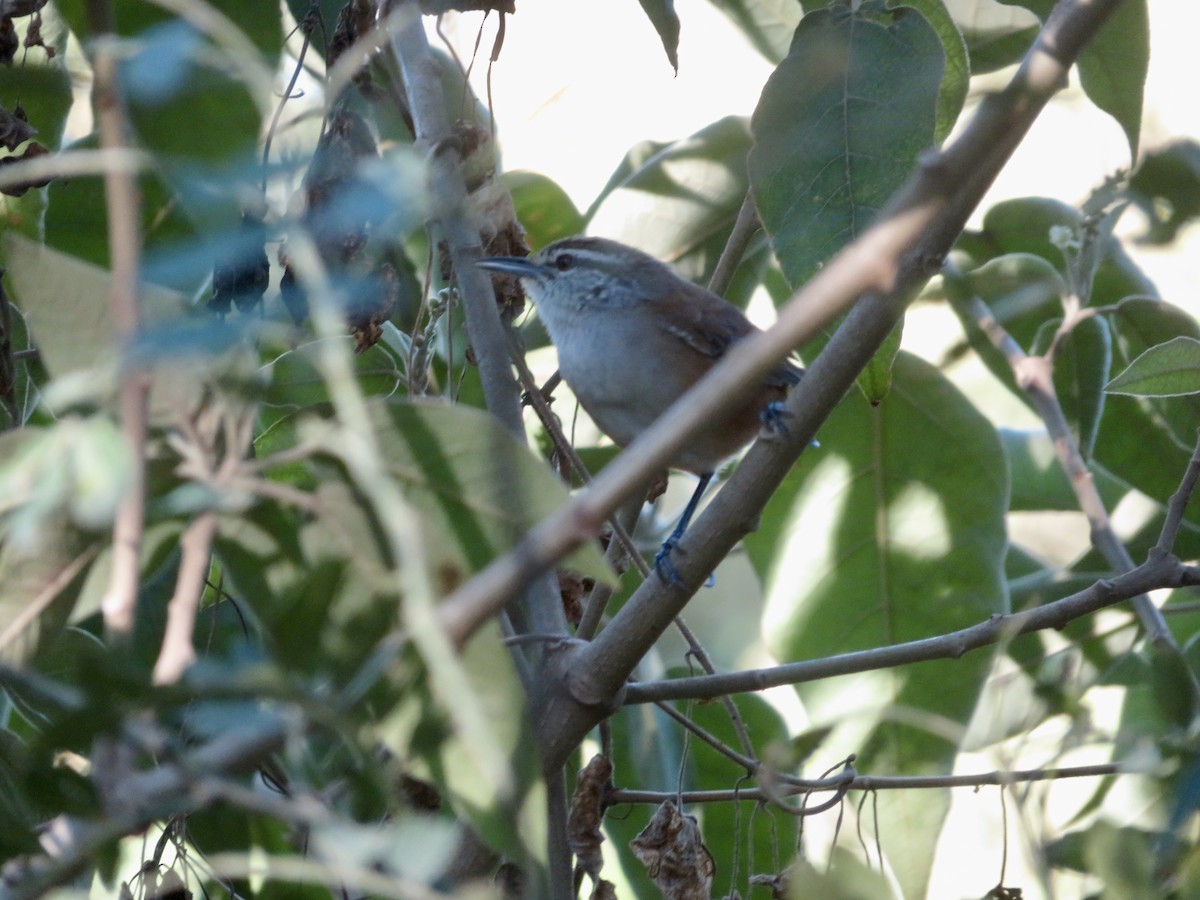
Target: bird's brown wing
(710,326)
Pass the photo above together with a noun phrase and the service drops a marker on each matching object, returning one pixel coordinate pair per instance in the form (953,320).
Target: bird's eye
(564,261)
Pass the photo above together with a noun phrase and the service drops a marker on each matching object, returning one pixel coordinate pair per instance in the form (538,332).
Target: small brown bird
(632,338)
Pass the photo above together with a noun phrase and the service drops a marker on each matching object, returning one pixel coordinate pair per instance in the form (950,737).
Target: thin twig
(1177,505)
(744,228)
(177,651)
(1157,572)
(878,783)
(1034,375)
(123,209)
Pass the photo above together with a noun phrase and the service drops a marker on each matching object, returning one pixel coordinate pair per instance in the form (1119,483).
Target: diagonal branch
(1035,376)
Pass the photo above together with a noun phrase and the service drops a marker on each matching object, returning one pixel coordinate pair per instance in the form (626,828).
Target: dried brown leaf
(586,814)
(671,849)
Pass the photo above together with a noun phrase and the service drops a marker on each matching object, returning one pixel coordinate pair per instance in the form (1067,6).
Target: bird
(632,337)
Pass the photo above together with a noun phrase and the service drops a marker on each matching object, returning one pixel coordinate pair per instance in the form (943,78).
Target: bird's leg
(772,417)
(662,560)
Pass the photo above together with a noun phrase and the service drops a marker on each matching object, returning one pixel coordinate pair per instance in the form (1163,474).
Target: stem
(123,208)
(178,651)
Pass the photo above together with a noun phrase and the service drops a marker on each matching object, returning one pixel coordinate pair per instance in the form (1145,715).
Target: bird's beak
(514,265)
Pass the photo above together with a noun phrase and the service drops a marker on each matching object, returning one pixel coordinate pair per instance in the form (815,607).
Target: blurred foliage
(326,733)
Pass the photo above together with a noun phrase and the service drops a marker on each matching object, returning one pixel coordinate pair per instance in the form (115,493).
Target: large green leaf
(839,126)
(480,488)
(957,77)
(893,530)
(679,201)
(503,800)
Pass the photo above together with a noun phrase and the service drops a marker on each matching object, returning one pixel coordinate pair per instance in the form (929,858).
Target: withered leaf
(671,849)
(587,813)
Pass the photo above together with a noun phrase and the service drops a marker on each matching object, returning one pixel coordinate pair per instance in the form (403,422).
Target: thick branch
(1161,571)
(489,342)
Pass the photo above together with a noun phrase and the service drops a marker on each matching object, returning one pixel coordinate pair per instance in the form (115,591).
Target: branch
(178,651)
(143,797)
(489,341)
(871,783)
(1035,376)
(744,228)
(122,203)
(1162,570)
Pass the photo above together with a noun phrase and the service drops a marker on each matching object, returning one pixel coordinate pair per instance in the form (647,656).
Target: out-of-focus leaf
(679,202)
(296,381)
(504,800)
(1113,65)
(1166,370)
(76,221)
(767,24)
(480,488)
(845,878)
(839,126)
(661,14)
(66,303)
(1166,187)
(892,530)
(543,208)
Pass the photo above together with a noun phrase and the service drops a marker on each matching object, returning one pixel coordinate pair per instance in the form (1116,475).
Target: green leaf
(504,801)
(1023,225)
(839,127)
(893,530)
(661,14)
(481,489)
(65,301)
(1113,65)
(1081,368)
(679,201)
(1166,370)
(1166,188)
(76,221)
(730,833)
(767,24)
(876,379)
(296,381)
(957,77)
(543,208)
